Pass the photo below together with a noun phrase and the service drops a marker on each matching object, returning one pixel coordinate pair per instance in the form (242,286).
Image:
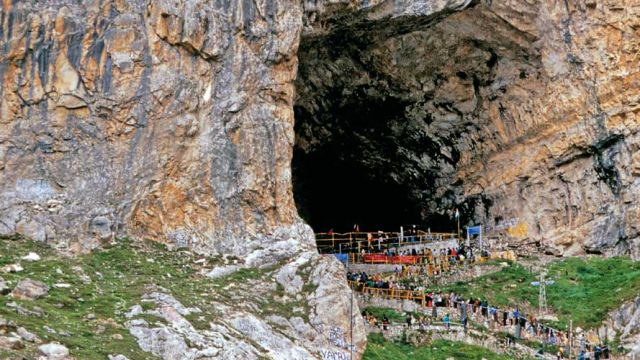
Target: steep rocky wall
(523,114)
(623,325)
(169,120)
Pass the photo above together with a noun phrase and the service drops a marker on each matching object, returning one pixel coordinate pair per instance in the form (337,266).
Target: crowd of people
(525,327)
(475,309)
(478,310)
(444,307)
(425,261)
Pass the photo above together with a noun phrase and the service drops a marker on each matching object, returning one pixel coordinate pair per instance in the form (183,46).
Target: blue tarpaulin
(344,258)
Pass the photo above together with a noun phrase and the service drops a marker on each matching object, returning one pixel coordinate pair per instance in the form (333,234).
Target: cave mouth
(341,182)
(389,111)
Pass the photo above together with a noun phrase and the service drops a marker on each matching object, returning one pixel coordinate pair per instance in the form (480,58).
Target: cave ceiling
(393,108)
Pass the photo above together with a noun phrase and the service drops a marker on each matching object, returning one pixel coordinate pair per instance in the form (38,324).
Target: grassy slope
(585,290)
(392,315)
(120,275)
(381,349)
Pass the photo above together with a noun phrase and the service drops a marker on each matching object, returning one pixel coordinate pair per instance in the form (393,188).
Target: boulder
(117,357)
(26,335)
(11,343)
(12,268)
(28,289)
(53,351)
(31,257)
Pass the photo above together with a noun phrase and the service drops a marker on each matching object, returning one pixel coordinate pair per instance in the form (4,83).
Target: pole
(570,338)
(351,316)
(468,242)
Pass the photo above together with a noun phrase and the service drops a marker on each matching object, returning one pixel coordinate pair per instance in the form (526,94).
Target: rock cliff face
(169,120)
(172,121)
(623,325)
(523,114)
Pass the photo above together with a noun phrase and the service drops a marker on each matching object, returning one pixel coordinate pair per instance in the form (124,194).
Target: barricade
(384,259)
(393,294)
(331,242)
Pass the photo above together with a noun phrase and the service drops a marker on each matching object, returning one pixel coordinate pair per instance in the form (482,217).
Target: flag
(457,213)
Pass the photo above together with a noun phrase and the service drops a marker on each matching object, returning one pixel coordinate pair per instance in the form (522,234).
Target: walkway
(493,319)
(455,331)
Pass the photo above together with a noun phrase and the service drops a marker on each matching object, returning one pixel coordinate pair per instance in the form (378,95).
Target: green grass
(119,276)
(382,349)
(588,290)
(510,286)
(392,315)
(585,290)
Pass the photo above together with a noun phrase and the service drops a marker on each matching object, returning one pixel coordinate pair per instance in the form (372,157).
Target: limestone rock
(35,311)
(7,326)
(121,104)
(31,257)
(117,357)
(624,323)
(132,141)
(222,271)
(54,351)
(276,333)
(134,311)
(26,335)
(11,343)
(28,289)
(12,268)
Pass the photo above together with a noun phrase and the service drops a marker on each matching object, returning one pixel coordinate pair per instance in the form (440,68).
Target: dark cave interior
(388,111)
(335,189)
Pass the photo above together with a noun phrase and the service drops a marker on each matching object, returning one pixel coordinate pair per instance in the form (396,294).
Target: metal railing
(354,241)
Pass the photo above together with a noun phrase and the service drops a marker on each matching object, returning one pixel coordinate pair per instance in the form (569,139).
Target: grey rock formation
(310,317)
(53,351)
(11,343)
(169,120)
(28,289)
(624,324)
(117,357)
(26,335)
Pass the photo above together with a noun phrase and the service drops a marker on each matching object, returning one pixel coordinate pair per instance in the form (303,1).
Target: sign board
(474,230)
